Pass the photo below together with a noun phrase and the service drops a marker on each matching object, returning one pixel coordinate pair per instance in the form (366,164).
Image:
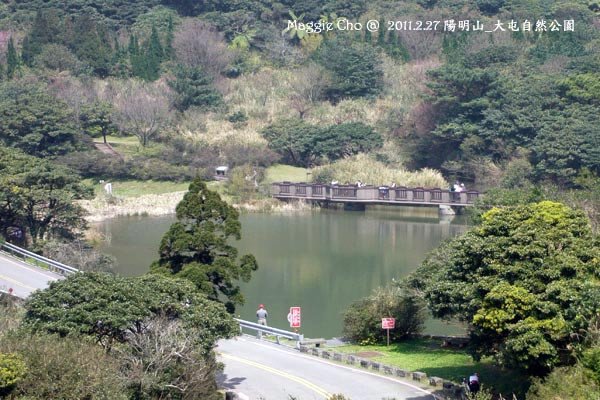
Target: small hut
(221,172)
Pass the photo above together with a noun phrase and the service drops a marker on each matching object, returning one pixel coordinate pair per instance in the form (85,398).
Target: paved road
(23,278)
(267,371)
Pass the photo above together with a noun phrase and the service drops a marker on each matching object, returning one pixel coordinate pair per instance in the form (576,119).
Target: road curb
(444,389)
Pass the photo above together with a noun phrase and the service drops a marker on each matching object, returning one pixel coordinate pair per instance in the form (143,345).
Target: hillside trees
(308,87)
(483,114)
(198,44)
(303,144)
(527,281)
(196,246)
(34,121)
(12,60)
(193,88)
(36,199)
(355,68)
(142,109)
(81,34)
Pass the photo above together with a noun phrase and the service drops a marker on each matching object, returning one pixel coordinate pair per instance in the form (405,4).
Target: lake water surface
(321,261)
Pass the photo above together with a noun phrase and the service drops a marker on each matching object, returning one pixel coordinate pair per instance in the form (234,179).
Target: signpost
(387,324)
(294,317)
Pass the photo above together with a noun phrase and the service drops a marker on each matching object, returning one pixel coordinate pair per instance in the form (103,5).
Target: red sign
(294,317)
(388,323)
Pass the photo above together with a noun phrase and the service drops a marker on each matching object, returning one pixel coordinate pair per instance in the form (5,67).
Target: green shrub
(591,360)
(67,368)
(564,383)
(362,320)
(12,370)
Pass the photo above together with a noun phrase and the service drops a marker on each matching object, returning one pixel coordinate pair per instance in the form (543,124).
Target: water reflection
(321,261)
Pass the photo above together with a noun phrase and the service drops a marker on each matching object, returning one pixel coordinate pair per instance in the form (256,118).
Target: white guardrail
(52,265)
(269,330)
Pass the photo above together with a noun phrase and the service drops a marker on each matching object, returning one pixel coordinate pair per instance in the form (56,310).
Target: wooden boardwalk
(373,195)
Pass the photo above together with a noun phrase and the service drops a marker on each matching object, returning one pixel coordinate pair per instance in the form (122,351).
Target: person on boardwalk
(262,315)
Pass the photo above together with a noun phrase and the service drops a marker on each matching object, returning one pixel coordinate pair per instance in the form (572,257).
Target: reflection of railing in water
(373,194)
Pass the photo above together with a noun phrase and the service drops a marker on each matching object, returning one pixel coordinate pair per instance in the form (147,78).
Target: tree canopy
(355,67)
(196,246)
(36,199)
(112,308)
(527,281)
(304,144)
(193,87)
(34,121)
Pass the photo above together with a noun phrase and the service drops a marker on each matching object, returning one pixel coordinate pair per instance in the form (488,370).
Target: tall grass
(217,131)
(102,208)
(369,171)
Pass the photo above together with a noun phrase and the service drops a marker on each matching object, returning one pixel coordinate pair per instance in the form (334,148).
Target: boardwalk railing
(372,194)
(269,330)
(28,256)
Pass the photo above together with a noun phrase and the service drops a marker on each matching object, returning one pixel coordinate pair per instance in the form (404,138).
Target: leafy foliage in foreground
(111,308)
(12,370)
(526,281)
(63,368)
(196,246)
(565,383)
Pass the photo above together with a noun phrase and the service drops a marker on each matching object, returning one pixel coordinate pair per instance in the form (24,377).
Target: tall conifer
(12,62)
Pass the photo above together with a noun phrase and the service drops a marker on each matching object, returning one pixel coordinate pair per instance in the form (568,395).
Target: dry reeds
(369,171)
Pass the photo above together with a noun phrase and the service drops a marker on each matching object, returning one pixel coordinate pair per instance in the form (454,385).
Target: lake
(321,261)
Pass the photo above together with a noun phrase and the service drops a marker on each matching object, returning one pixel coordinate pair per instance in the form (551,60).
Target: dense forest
(503,95)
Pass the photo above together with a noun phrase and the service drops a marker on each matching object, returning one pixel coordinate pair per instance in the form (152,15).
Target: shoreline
(103,208)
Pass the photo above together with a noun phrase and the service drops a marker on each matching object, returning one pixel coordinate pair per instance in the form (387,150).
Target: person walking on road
(262,315)
(474,384)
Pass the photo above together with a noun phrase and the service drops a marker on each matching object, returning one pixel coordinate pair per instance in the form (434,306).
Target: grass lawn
(452,364)
(130,145)
(280,173)
(138,188)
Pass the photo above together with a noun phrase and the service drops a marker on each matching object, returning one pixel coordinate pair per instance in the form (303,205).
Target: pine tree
(368,36)
(154,55)
(133,46)
(12,62)
(395,48)
(198,247)
(169,39)
(136,58)
(193,87)
(46,29)
(381,34)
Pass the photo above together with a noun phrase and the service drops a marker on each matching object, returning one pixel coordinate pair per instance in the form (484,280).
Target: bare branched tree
(80,255)
(163,362)
(143,110)
(308,86)
(75,92)
(198,43)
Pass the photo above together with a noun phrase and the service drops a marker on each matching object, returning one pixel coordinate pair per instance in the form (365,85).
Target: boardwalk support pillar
(354,207)
(446,210)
